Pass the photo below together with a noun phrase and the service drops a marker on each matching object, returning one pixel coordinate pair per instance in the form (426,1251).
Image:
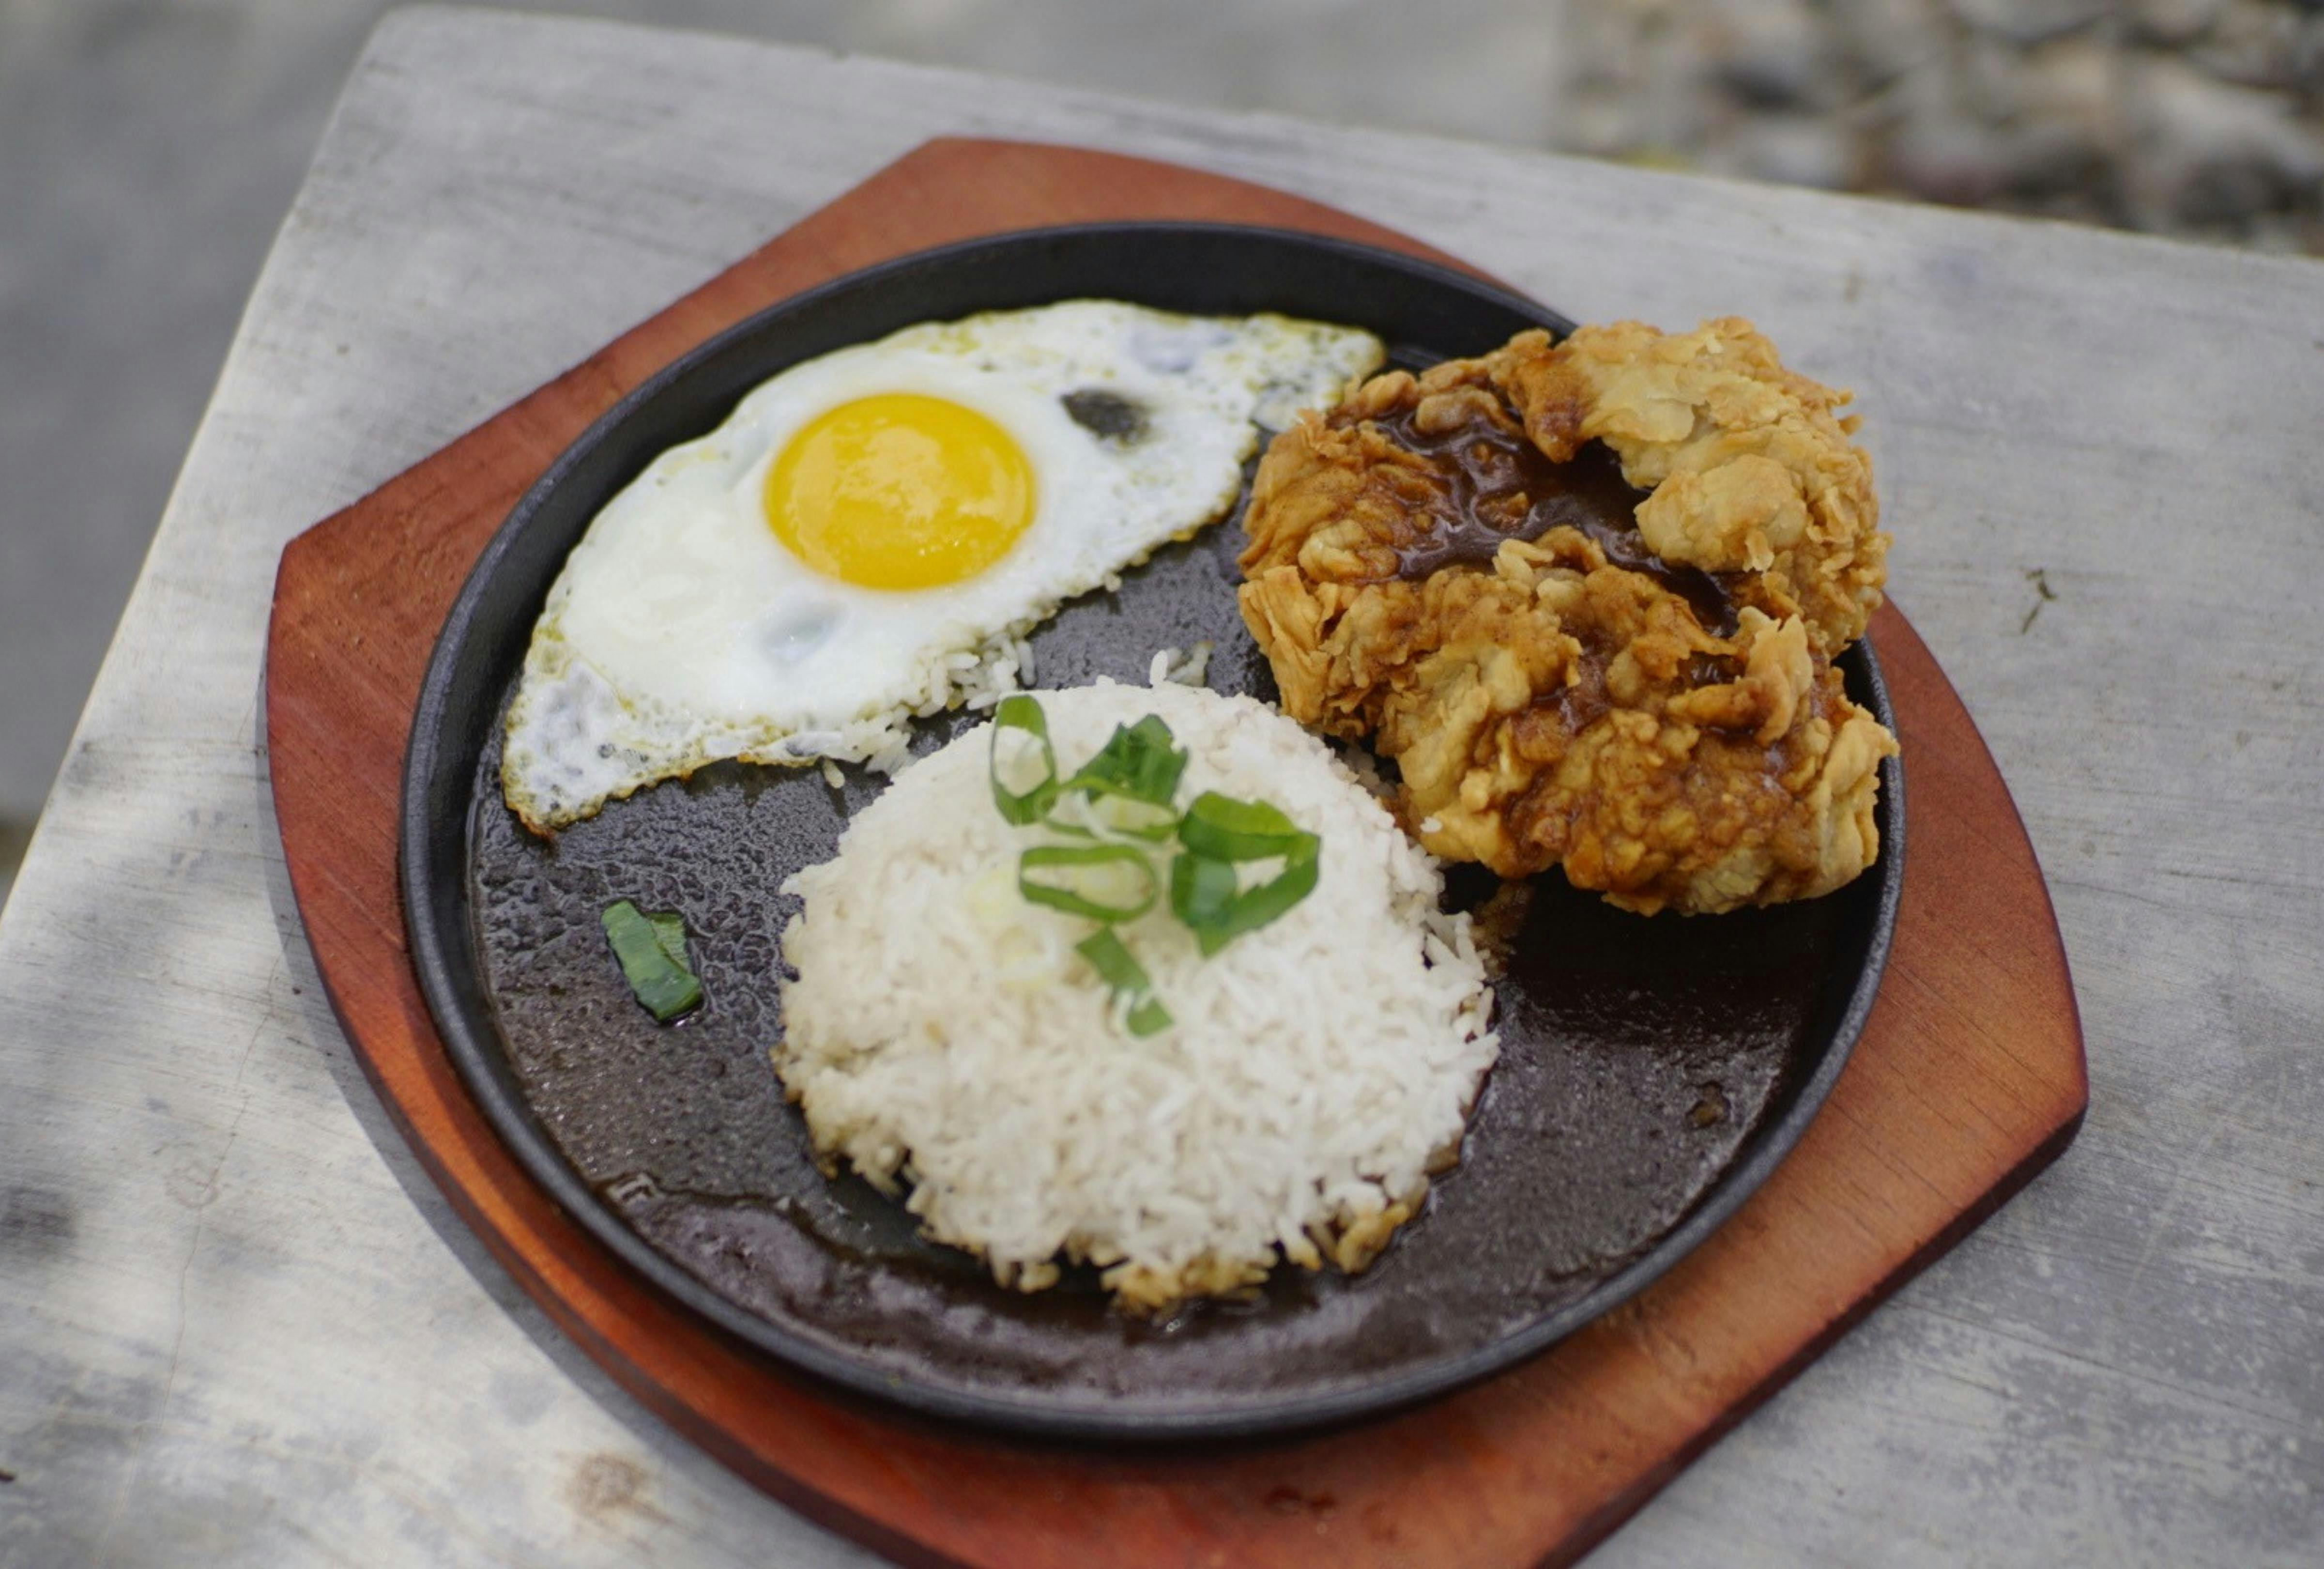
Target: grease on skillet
(1638,1055)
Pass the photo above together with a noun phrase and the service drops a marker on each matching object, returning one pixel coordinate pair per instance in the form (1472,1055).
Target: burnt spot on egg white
(1107,415)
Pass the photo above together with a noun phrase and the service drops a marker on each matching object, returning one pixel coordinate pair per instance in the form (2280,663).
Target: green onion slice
(1207,895)
(1105,882)
(1126,977)
(1225,829)
(1018,717)
(670,935)
(651,949)
(1130,784)
(1089,811)
(1128,789)
(1219,833)
(1139,761)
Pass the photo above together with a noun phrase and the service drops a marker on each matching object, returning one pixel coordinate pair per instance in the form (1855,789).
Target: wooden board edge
(1617,1512)
(1889,623)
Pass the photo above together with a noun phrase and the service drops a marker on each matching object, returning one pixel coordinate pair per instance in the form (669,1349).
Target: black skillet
(1653,1072)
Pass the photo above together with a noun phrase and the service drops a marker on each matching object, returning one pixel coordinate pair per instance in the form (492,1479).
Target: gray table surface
(238,1326)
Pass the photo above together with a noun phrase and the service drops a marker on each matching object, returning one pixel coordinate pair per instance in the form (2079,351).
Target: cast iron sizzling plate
(1652,1073)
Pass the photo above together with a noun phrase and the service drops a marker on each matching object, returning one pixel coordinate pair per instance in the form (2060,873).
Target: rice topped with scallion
(1015,1025)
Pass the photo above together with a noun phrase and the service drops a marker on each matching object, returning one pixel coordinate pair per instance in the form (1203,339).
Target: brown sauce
(1504,488)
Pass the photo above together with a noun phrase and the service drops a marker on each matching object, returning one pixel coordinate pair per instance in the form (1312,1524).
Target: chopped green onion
(1225,829)
(1114,963)
(1107,883)
(1220,832)
(1147,1016)
(1139,761)
(1207,895)
(1086,811)
(1130,789)
(1130,783)
(670,935)
(651,949)
(1018,716)
(1126,977)
(1201,891)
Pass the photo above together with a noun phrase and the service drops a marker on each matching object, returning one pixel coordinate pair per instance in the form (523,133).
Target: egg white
(681,631)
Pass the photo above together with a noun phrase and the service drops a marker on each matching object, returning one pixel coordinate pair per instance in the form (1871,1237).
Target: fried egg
(870,534)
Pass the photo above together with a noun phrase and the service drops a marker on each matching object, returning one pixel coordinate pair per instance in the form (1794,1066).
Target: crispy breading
(1751,471)
(1552,705)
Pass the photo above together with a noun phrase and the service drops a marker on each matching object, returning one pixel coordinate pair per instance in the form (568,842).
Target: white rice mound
(942,1036)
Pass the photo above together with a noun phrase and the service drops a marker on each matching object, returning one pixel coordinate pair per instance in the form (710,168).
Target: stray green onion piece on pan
(653,952)
(1125,977)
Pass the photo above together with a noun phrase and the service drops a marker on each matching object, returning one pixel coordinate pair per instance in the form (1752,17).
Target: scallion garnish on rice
(1105,882)
(651,949)
(1127,787)
(1141,762)
(1126,978)
(1130,787)
(1226,829)
(1207,894)
(1021,729)
(1220,836)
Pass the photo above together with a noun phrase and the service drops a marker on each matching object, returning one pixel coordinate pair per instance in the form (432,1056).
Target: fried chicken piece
(1750,470)
(1569,674)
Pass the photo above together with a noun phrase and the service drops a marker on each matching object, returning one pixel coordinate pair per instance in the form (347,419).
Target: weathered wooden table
(237,1325)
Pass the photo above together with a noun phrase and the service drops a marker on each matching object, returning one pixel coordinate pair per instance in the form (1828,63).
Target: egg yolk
(900,490)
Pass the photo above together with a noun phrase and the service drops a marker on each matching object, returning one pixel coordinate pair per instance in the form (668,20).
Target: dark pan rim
(434,888)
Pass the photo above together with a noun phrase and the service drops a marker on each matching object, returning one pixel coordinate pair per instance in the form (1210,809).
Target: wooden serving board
(1969,1079)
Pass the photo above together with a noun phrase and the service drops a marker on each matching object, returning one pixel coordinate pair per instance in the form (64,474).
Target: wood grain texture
(1970,1077)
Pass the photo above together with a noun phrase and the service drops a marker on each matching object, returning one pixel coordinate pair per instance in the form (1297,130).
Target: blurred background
(149,148)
